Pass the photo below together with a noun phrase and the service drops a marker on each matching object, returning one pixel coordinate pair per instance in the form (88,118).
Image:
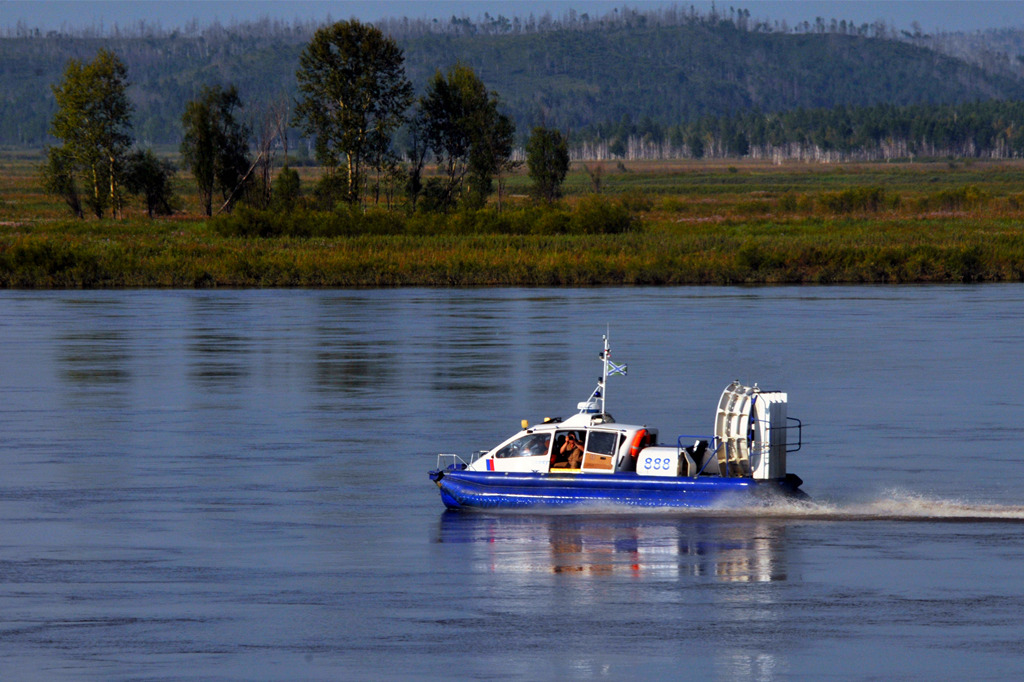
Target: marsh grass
(655,224)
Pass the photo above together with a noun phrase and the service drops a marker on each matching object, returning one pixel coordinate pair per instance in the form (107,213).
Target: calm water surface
(232,486)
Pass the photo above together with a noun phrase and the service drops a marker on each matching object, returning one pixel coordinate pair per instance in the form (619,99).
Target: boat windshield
(534,445)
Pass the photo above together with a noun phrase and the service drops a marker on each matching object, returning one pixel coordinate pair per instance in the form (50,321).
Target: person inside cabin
(538,446)
(571,453)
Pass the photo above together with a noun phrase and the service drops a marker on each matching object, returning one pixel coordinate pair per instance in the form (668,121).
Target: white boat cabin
(749,441)
(590,443)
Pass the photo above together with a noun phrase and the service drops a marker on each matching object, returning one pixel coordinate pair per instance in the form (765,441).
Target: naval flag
(614,369)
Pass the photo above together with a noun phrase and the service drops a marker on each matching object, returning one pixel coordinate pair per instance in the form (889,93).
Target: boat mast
(604,375)
(598,400)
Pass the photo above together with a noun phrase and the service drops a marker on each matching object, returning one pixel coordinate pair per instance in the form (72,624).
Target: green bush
(330,190)
(674,205)
(857,200)
(434,198)
(597,215)
(53,263)
(787,203)
(477,221)
(423,223)
(636,201)
(342,222)
(593,215)
(754,256)
(549,222)
(959,199)
(287,190)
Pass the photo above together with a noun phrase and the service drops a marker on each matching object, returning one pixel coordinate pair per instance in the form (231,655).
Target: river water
(232,486)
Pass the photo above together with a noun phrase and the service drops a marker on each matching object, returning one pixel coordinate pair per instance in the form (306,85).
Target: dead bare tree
(270,130)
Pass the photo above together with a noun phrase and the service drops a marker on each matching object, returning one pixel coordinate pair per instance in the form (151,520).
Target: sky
(931,15)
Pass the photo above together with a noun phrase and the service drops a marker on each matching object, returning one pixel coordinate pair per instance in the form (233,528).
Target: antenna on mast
(598,400)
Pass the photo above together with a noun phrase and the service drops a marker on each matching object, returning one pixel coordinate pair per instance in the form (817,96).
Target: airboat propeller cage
(750,426)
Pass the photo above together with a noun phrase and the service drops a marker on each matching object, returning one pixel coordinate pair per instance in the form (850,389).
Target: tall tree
(547,161)
(353,94)
(465,130)
(215,145)
(491,152)
(94,121)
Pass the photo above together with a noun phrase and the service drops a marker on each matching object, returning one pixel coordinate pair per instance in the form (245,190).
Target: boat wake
(891,505)
(900,505)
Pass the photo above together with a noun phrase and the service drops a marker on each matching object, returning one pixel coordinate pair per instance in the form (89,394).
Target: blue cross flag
(614,369)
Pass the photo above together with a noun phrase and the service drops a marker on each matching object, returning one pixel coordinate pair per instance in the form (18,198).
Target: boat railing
(799,426)
(445,460)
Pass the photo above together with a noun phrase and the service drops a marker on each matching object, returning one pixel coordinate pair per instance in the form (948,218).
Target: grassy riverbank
(692,223)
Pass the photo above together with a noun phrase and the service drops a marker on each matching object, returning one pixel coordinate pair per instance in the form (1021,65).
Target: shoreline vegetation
(641,223)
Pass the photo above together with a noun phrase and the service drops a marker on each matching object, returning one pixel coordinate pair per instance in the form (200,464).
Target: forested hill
(672,74)
(570,77)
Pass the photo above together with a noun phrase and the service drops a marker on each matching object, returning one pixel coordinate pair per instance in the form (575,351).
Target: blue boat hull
(487,490)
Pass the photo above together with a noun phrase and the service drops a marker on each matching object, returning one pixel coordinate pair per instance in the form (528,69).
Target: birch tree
(353,94)
(94,121)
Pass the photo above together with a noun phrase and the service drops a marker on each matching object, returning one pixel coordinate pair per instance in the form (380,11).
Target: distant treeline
(484,25)
(993,129)
(630,84)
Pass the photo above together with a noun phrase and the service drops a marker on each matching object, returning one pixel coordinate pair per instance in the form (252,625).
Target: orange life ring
(638,443)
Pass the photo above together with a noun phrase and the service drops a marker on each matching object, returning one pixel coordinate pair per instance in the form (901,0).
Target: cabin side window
(603,443)
(534,445)
(600,454)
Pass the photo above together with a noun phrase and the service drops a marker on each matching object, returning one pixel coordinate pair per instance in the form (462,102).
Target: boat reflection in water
(728,549)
